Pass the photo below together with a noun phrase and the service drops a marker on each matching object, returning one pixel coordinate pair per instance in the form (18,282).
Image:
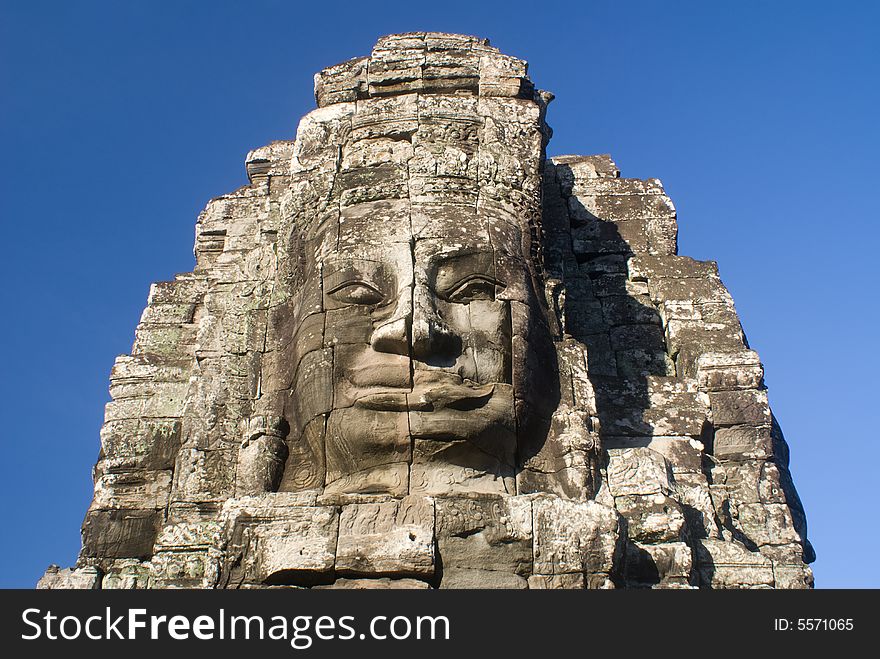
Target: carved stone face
(405,357)
(420,327)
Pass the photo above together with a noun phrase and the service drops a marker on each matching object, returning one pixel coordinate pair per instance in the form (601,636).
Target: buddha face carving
(421,332)
(404,358)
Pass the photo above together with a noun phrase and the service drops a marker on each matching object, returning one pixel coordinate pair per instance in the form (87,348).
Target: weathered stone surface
(651,405)
(568,461)
(416,352)
(574,537)
(717,371)
(684,454)
(767,523)
(376,584)
(148,489)
(279,539)
(184,569)
(658,565)
(742,441)
(794,577)
(485,533)
(120,533)
(460,578)
(730,565)
(651,518)
(394,537)
(557,582)
(740,407)
(127,575)
(56,578)
(638,471)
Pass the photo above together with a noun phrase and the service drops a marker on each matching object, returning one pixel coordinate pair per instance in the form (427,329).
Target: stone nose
(416,328)
(433,341)
(393,336)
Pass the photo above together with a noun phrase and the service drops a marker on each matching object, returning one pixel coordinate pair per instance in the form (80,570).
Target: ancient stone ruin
(415,352)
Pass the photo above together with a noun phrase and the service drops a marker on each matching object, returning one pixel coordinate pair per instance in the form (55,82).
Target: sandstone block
(56,578)
(572,537)
(638,471)
(394,537)
(740,407)
(465,578)
(730,565)
(717,371)
(652,565)
(278,543)
(485,533)
(652,518)
(557,582)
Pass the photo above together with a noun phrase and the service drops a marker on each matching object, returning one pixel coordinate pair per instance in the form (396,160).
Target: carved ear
(261,456)
(554,294)
(265,425)
(269,424)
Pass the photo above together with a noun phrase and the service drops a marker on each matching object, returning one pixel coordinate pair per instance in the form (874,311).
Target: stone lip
(429,398)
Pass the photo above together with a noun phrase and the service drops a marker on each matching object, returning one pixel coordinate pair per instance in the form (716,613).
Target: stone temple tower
(416,352)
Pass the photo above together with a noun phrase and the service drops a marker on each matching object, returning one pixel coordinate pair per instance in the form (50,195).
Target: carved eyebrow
(357,281)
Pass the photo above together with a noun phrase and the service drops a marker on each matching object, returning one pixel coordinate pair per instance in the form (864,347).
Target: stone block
(629,310)
(652,565)
(127,575)
(149,444)
(185,568)
(662,233)
(393,537)
(767,523)
(750,481)
(792,577)
(485,533)
(121,533)
(557,582)
(651,518)
(574,537)
(717,371)
(466,578)
(688,290)
(723,564)
(635,363)
(132,489)
(730,408)
(684,454)
(272,540)
(638,471)
(742,441)
(56,578)
(637,337)
(572,170)
(652,267)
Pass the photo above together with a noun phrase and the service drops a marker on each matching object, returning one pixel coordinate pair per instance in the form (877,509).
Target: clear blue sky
(121,119)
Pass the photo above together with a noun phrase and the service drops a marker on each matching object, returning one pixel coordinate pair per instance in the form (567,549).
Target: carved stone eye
(357,292)
(471,289)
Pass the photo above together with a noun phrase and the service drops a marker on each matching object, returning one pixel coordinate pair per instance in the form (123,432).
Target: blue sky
(119,121)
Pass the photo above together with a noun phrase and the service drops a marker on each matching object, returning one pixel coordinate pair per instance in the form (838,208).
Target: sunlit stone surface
(416,352)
